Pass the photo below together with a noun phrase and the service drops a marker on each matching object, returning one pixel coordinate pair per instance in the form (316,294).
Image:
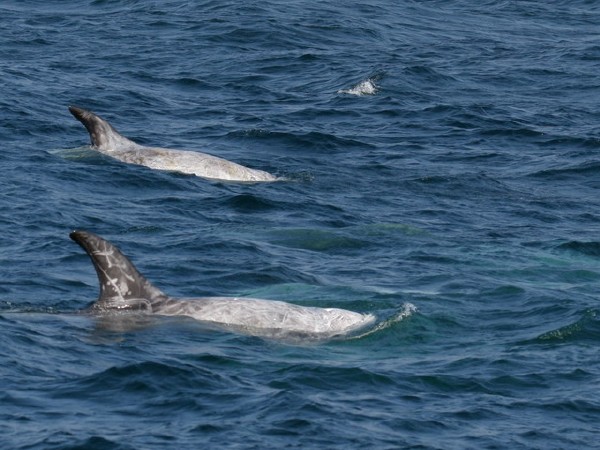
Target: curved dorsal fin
(102,134)
(121,285)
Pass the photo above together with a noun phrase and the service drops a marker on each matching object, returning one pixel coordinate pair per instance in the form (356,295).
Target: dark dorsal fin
(102,134)
(121,285)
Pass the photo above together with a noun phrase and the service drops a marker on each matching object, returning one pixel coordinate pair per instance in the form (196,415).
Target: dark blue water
(441,154)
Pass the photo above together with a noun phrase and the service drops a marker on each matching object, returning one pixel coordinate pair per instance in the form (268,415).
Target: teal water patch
(344,238)
(316,240)
(84,154)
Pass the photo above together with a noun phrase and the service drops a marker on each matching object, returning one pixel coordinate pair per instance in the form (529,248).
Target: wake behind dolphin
(107,140)
(123,288)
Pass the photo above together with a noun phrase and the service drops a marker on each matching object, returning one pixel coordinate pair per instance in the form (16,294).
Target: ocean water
(443,166)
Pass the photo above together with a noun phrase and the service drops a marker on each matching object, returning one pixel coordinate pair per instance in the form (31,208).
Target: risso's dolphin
(107,140)
(123,288)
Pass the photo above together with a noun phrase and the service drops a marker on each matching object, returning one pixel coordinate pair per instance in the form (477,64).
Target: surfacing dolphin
(107,140)
(123,288)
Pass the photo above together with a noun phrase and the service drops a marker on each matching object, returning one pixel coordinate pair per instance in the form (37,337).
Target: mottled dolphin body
(123,288)
(107,140)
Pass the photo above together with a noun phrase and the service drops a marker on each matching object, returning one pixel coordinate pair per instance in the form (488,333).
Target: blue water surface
(443,168)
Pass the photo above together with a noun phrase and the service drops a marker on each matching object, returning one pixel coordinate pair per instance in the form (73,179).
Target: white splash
(365,87)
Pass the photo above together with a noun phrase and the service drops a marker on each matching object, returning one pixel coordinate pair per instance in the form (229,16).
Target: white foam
(365,87)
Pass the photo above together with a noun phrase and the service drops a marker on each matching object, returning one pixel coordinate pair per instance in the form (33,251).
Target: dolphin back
(122,287)
(107,140)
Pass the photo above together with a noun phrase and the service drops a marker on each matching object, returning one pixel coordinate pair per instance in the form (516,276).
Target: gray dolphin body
(123,288)
(107,140)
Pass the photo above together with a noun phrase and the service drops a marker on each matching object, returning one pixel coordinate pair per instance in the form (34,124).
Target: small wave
(307,141)
(249,203)
(585,329)
(9,307)
(585,248)
(585,169)
(365,87)
(407,310)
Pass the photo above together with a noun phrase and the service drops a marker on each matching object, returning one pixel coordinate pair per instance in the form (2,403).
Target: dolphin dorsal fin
(121,285)
(102,134)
